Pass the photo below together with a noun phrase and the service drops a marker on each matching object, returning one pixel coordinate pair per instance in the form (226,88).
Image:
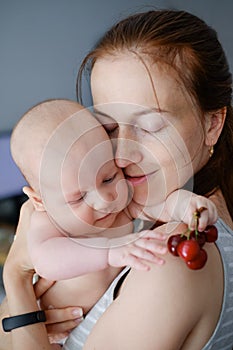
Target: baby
(81,231)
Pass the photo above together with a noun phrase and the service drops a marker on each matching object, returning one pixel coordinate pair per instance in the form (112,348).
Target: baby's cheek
(84,216)
(78,221)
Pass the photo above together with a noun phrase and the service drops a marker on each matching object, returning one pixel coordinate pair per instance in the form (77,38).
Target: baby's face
(93,190)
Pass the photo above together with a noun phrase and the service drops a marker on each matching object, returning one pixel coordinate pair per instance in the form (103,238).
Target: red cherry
(211,233)
(200,238)
(199,262)
(188,250)
(173,242)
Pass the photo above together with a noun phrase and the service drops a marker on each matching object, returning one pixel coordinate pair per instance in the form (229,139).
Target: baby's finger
(151,245)
(141,253)
(145,255)
(208,217)
(136,263)
(153,234)
(203,221)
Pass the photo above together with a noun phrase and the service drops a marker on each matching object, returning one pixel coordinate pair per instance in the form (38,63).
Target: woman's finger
(54,316)
(25,216)
(55,338)
(63,327)
(41,286)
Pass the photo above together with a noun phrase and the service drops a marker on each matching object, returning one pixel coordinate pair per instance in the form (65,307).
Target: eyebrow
(136,114)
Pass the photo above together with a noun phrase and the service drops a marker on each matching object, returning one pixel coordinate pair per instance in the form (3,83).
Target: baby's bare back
(83,291)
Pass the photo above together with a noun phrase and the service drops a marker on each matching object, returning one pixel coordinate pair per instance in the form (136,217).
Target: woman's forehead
(126,80)
(130,90)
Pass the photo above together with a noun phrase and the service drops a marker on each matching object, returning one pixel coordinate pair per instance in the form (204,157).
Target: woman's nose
(127,148)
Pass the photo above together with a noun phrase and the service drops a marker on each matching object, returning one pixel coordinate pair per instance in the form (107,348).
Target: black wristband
(13,322)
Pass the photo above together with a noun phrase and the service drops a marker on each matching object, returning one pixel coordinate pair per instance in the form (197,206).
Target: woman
(162,88)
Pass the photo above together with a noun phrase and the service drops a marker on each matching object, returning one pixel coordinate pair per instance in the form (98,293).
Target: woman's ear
(214,125)
(34,197)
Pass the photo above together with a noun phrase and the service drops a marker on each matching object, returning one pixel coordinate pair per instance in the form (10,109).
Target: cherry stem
(196,216)
(186,233)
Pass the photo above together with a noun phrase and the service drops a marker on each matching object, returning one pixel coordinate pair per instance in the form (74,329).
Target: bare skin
(191,292)
(174,309)
(17,275)
(147,318)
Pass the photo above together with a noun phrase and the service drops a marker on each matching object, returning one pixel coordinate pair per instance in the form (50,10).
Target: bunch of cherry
(189,245)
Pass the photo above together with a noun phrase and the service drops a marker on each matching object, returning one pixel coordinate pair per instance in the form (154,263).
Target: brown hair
(191,47)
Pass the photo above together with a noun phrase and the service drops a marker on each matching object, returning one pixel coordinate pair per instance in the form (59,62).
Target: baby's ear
(34,197)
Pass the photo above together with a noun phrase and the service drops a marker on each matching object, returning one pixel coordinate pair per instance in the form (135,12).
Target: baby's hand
(137,249)
(182,206)
(201,212)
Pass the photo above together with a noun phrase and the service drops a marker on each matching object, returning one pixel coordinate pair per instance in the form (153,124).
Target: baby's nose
(101,201)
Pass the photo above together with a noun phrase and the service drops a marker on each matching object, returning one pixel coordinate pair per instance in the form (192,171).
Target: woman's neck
(218,199)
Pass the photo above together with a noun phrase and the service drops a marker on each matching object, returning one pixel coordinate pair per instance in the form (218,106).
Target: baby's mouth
(104,217)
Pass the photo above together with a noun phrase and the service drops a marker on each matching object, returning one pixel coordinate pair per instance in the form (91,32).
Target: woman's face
(159,142)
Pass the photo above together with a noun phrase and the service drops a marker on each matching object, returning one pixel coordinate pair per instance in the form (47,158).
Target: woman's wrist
(14,278)
(20,292)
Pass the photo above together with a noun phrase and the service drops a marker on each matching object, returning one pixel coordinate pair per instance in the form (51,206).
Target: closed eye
(151,122)
(79,199)
(110,179)
(108,123)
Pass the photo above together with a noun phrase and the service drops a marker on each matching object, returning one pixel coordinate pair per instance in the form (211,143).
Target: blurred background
(42,44)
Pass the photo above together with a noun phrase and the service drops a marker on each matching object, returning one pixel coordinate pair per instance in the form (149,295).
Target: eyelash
(110,179)
(106,181)
(78,200)
(151,128)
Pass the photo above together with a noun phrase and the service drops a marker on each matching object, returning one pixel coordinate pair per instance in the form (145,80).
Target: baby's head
(32,132)
(67,159)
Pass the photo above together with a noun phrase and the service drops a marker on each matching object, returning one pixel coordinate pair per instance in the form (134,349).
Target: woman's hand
(19,271)
(18,259)
(60,322)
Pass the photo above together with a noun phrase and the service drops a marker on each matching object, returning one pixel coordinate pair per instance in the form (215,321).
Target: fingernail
(161,262)
(77,312)
(78,320)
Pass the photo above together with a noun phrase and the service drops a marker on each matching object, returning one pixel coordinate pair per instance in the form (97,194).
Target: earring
(211,151)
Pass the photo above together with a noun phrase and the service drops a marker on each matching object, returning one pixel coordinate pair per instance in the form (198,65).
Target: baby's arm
(57,257)
(137,249)
(181,206)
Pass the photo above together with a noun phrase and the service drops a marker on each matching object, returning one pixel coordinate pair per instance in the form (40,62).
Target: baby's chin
(106,221)
(148,210)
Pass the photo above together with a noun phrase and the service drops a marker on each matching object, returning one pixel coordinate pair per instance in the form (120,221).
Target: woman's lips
(138,180)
